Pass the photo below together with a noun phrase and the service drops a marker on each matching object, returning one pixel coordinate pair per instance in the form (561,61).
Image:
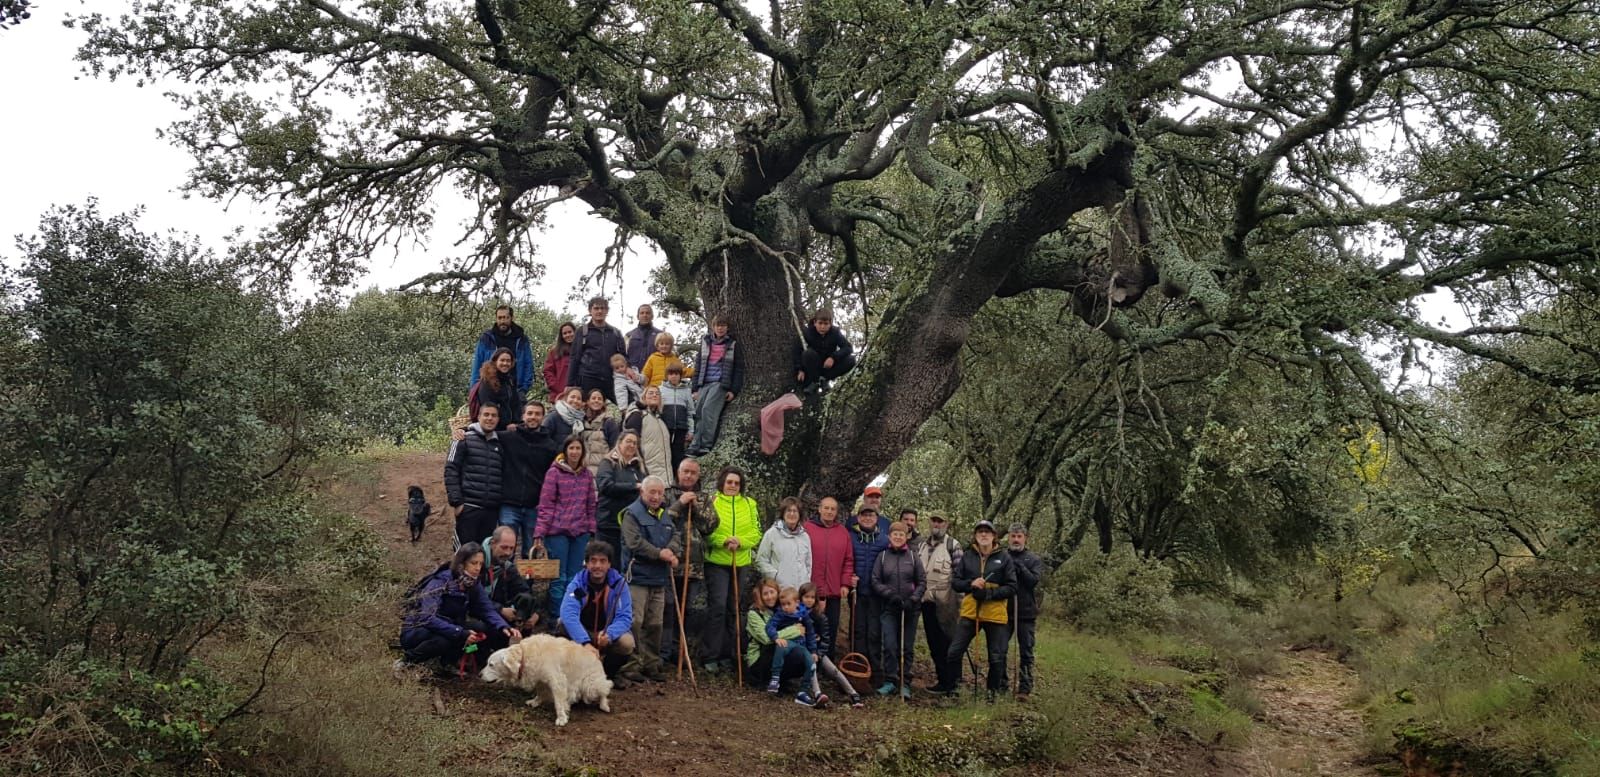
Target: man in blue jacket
(867,540)
(597,611)
(651,546)
(505,333)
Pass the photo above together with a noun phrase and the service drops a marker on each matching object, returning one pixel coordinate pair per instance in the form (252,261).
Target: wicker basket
(459,420)
(539,568)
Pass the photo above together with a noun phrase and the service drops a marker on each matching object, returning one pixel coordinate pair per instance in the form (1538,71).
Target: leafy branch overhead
(1310,169)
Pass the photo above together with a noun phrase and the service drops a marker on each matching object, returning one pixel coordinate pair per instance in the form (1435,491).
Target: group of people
(654,568)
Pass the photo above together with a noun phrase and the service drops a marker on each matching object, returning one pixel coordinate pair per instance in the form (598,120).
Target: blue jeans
(568,551)
(522,519)
(780,654)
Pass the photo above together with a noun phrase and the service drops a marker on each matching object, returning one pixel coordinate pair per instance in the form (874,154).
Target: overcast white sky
(69,136)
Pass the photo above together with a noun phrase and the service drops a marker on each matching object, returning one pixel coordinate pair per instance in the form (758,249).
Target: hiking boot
(713,668)
(944,690)
(772,686)
(856,702)
(632,676)
(656,674)
(886,689)
(620,683)
(1022,697)
(802,698)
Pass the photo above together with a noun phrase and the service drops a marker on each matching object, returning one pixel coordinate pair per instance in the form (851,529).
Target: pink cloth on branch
(772,421)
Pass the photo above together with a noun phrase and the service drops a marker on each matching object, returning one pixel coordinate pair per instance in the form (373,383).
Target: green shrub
(1113,592)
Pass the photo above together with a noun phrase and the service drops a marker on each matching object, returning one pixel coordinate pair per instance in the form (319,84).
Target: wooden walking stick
(901,659)
(738,660)
(688,553)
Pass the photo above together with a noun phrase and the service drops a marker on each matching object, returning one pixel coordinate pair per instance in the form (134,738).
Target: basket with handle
(855,666)
(539,567)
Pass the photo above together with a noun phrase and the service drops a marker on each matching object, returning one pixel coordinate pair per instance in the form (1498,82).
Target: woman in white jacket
(785,551)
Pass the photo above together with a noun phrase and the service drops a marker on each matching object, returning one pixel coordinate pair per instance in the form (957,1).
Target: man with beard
(641,340)
(1025,605)
(596,341)
(694,523)
(941,608)
(504,334)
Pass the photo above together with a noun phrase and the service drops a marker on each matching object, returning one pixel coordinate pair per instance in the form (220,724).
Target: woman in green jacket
(728,556)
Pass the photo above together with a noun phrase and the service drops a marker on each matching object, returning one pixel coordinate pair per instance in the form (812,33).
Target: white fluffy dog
(556,669)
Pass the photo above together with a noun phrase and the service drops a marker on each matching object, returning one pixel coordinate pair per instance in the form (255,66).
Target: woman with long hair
(599,430)
(655,439)
(566,515)
(618,482)
(558,359)
(497,385)
(449,610)
(566,416)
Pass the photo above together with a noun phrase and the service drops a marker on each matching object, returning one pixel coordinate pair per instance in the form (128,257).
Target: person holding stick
(1025,607)
(899,582)
(729,546)
(988,580)
(651,548)
(693,520)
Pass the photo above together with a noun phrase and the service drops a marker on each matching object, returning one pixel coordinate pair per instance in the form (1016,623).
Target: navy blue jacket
(866,547)
(441,604)
(644,536)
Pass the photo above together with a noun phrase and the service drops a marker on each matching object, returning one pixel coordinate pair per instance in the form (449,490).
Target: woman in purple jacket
(566,515)
(449,610)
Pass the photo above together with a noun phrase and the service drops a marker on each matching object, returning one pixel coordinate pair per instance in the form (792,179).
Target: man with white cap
(1025,606)
(988,580)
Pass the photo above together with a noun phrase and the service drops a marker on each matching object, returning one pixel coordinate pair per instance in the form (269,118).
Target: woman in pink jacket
(566,515)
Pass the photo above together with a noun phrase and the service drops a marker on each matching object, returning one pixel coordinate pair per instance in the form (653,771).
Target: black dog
(417,511)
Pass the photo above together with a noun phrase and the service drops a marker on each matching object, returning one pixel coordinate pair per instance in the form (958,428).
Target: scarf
(574,418)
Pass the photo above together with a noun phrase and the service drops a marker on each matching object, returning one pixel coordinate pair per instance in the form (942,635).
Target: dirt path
(1309,726)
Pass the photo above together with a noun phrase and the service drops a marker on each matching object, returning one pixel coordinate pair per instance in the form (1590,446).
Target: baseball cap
(982,525)
(872,491)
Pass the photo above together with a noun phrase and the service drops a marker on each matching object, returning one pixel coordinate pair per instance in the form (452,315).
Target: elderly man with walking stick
(693,520)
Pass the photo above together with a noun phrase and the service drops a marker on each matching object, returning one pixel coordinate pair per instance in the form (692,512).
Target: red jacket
(833,558)
(555,373)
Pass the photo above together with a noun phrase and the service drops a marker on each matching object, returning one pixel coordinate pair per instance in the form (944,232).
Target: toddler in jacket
(787,628)
(677,409)
(817,624)
(655,367)
(625,383)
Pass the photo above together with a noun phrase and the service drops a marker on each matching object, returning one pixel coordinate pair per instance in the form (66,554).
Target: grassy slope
(332,706)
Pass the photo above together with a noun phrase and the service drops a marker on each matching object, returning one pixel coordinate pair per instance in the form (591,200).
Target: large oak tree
(1291,175)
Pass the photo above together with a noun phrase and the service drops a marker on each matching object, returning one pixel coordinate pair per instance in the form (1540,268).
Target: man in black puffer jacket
(472,477)
(529,450)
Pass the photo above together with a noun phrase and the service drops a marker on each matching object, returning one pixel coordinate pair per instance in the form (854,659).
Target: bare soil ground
(1309,726)
(721,729)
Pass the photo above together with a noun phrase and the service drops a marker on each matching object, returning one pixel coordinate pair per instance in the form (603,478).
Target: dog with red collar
(556,670)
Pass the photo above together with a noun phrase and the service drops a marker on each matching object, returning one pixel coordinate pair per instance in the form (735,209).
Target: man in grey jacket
(940,554)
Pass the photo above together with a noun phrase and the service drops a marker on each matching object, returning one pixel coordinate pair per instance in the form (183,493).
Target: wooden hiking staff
(683,601)
(738,660)
(901,659)
(855,665)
